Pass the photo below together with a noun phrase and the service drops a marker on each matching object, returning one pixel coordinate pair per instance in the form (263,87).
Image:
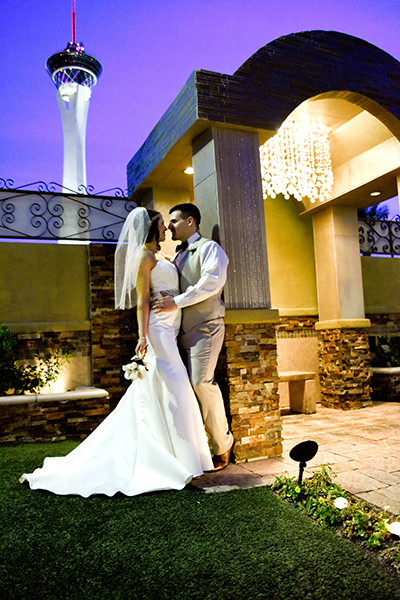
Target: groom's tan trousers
(203,344)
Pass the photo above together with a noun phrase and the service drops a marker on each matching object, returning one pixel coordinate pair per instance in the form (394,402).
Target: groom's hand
(164,304)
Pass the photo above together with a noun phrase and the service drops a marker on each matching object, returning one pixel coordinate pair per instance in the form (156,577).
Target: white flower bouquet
(135,370)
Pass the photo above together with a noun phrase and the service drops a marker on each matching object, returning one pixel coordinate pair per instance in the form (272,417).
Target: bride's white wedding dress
(154,439)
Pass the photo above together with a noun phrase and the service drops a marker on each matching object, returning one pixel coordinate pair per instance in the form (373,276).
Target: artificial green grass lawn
(244,544)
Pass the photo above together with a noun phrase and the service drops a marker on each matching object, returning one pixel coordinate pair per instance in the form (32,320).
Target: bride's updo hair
(153,231)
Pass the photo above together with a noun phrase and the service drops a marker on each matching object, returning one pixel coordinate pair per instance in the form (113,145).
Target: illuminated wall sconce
(375,193)
(297,162)
(189,171)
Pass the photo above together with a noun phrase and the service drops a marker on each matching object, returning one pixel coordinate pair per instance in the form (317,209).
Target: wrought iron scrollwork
(379,236)
(46,213)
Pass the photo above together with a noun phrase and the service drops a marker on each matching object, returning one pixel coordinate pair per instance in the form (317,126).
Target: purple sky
(148,49)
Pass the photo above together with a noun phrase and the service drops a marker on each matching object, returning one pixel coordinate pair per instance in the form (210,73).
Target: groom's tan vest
(190,273)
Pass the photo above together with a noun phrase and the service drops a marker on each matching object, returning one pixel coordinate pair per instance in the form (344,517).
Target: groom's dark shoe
(221,461)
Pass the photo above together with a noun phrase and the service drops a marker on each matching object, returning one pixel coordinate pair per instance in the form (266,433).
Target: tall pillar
(74,114)
(342,329)
(228,192)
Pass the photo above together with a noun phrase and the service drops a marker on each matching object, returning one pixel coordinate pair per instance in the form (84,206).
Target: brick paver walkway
(361,446)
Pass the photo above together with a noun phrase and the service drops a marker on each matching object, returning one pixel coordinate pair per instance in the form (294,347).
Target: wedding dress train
(154,439)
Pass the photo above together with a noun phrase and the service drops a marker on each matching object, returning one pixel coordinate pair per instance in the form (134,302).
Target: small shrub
(20,379)
(359,520)
(316,495)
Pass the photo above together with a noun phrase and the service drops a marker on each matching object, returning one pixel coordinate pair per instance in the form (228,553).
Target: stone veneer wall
(76,343)
(251,363)
(345,369)
(51,421)
(296,324)
(114,332)
(48,421)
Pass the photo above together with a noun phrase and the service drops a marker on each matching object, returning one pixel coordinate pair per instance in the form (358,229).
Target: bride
(154,439)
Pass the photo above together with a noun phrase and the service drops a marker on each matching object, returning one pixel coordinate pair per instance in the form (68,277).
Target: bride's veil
(128,256)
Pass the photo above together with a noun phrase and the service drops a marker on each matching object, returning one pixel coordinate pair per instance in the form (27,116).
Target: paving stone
(382,476)
(269,466)
(344,466)
(356,482)
(323,458)
(366,467)
(385,464)
(378,498)
(393,492)
(219,488)
(268,480)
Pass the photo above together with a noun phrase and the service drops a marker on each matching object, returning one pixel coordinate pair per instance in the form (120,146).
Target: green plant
(7,371)
(317,496)
(387,352)
(360,520)
(19,379)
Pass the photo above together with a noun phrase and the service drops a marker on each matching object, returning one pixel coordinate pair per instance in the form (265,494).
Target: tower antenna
(73,3)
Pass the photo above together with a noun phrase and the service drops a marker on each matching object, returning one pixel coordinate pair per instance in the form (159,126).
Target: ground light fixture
(302,453)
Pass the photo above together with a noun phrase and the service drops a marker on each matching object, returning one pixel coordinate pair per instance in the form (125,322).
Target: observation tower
(74,73)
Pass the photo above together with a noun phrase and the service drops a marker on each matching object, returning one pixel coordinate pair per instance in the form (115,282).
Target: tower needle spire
(73,2)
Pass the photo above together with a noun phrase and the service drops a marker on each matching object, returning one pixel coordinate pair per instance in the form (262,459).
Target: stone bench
(300,399)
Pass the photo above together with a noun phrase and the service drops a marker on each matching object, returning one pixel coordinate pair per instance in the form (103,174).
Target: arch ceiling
(323,77)
(365,153)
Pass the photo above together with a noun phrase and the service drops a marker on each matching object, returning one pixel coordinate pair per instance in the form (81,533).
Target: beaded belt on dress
(157,294)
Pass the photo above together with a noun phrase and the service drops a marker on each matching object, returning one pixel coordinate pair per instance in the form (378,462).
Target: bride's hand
(141,347)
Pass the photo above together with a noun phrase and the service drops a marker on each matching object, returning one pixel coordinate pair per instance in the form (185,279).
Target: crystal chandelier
(297,162)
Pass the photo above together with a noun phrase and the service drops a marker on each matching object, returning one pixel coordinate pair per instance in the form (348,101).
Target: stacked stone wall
(345,369)
(75,343)
(114,332)
(251,363)
(50,421)
(301,325)
(47,421)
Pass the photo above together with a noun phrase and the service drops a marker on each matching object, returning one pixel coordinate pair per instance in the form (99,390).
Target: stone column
(114,332)
(345,371)
(228,192)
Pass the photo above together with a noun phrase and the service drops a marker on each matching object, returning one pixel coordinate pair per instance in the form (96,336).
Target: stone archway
(218,121)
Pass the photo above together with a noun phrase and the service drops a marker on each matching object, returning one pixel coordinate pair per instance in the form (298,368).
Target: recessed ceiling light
(189,171)
(375,193)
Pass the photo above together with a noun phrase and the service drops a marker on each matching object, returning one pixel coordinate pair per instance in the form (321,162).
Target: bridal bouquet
(135,370)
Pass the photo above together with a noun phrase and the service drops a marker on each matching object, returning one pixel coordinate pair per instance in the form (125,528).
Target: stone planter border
(51,417)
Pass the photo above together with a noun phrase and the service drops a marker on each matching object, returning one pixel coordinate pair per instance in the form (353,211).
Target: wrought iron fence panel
(50,215)
(379,236)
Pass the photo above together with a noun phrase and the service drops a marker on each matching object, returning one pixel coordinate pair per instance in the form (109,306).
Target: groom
(202,265)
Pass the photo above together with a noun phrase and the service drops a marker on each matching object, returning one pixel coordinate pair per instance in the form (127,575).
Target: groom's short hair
(188,210)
